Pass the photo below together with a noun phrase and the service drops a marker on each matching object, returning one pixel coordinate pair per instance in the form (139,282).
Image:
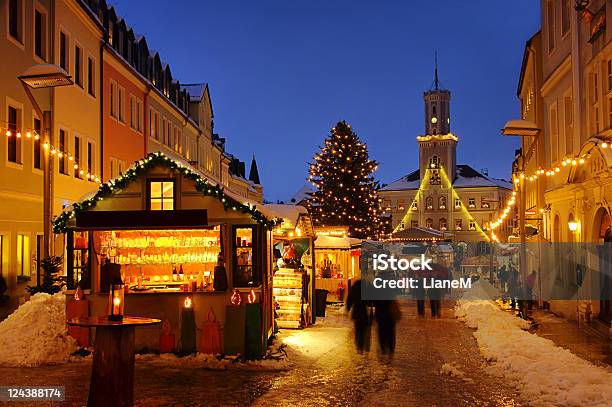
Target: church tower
(438,146)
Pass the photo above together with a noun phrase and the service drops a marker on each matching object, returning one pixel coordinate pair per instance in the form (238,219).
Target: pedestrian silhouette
(387,314)
(360,314)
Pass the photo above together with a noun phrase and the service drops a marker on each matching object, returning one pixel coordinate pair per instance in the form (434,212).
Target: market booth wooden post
(174,235)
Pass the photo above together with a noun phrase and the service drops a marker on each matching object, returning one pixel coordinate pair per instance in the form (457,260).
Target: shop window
(414,206)
(246,272)
(442,202)
(443,224)
(37,154)
(429,202)
(429,223)
(472,225)
(457,203)
(23,256)
(161,195)
(484,203)
(13,141)
(15,20)
(471,202)
(458,224)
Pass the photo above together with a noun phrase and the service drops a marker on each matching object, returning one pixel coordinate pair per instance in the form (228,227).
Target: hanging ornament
(236,298)
(251,297)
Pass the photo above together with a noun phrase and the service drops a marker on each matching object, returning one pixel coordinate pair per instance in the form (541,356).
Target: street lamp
(572,225)
(38,77)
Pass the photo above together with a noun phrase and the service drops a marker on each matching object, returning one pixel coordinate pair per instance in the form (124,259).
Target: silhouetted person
(439,273)
(419,294)
(387,314)
(360,316)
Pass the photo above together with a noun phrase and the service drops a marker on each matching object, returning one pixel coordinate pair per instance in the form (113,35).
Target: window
(414,206)
(116,167)
(568,122)
(429,202)
(62,152)
(63,51)
(566,8)
(429,223)
(161,195)
(139,115)
(457,203)
(550,8)
(40,34)
(121,104)
(434,162)
(458,224)
(91,77)
(37,155)
(151,128)
(77,156)
(400,205)
(472,225)
(414,223)
(78,65)
(246,272)
(132,115)
(434,178)
(15,19)
(387,204)
(443,224)
(442,202)
(554,134)
(484,203)
(112,99)
(471,202)
(156,125)
(164,134)
(23,255)
(14,137)
(90,160)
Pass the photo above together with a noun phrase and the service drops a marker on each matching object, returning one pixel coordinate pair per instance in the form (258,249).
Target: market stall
(336,263)
(293,275)
(180,249)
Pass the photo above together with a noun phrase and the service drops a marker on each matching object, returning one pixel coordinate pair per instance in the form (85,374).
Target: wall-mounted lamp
(573,225)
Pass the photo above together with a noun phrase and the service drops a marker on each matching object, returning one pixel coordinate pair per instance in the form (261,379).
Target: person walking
(360,315)
(436,294)
(387,314)
(419,294)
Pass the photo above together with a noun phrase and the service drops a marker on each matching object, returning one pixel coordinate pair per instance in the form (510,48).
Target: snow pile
(451,370)
(211,362)
(546,374)
(36,333)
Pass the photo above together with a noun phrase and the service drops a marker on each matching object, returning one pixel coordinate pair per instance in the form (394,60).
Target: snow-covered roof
(289,213)
(465,177)
(302,193)
(196,91)
(332,242)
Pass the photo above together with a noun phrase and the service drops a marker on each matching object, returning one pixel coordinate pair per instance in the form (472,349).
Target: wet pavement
(327,372)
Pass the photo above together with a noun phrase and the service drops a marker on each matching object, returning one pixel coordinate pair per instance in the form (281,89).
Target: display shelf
(287,293)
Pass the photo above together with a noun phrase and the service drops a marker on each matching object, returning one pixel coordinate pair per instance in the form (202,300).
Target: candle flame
(188,302)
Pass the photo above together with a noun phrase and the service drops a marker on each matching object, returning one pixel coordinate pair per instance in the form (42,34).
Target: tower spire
(436,82)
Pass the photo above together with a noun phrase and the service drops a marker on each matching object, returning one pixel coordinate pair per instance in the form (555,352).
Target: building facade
(565,88)
(452,198)
(124,104)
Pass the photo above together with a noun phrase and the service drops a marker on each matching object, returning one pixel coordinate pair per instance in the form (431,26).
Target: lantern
(236,298)
(115,302)
(187,302)
(251,297)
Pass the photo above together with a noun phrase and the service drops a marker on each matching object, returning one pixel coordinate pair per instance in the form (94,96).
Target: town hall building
(443,200)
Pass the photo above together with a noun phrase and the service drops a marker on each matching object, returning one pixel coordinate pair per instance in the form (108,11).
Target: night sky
(282,73)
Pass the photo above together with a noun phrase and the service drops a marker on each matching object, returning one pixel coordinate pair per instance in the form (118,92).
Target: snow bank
(451,370)
(207,361)
(546,374)
(36,333)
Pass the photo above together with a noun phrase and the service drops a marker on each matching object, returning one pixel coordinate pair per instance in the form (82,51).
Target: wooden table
(112,372)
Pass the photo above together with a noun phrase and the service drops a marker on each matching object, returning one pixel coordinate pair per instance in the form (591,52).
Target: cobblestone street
(327,371)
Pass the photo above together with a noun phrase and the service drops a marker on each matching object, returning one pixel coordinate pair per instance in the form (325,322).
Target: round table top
(104,321)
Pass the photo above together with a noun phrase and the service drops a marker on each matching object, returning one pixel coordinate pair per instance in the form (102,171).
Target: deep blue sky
(282,73)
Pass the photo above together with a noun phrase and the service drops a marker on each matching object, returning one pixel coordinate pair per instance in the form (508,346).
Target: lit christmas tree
(345,188)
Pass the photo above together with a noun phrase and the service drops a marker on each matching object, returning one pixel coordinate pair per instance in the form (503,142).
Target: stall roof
(229,199)
(331,242)
(289,213)
(420,234)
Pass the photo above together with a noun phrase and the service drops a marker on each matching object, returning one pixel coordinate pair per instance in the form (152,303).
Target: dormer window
(161,195)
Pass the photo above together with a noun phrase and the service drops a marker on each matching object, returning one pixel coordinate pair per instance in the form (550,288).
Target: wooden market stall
(336,263)
(179,243)
(293,275)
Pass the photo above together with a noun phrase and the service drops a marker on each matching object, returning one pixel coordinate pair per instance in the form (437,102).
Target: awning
(331,242)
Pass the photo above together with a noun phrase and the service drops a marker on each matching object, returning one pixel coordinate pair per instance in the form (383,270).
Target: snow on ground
(36,333)
(211,362)
(546,374)
(452,370)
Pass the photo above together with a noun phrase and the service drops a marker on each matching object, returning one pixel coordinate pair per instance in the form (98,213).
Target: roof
(465,177)
(288,213)
(302,193)
(421,234)
(196,91)
(331,242)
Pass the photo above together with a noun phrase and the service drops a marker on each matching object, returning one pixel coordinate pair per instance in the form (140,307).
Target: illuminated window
(429,223)
(458,224)
(484,203)
(161,195)
(443,224)
(414,223)
(414,206)
(472,225)
(400,205)
(442,202)
(434,178)
(457,203)
(434,162)
(429,202)
(471,202)
(23,255)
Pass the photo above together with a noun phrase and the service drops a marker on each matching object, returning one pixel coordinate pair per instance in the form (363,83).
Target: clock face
(434,120)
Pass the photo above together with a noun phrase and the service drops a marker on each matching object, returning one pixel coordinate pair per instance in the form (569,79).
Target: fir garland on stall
(60,224)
